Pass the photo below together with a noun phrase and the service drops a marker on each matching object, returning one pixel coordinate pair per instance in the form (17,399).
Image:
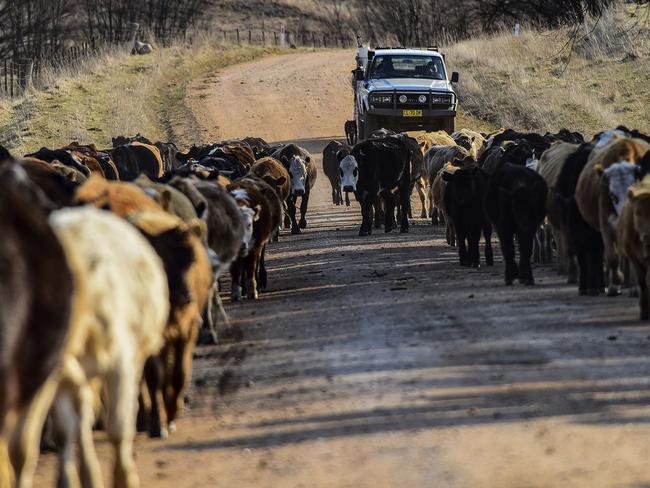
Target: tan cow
(633,234)
(425,141)
(180,246)
(600,195)
(470,140)
(550,165)
(120,310)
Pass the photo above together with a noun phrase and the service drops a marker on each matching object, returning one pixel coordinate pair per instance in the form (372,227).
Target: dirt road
(378,362)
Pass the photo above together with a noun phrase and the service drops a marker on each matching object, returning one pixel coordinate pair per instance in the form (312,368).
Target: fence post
(275,38)
(25,70)
(6,74)
(250,37)
(238,37)
(263,39)
(11,80)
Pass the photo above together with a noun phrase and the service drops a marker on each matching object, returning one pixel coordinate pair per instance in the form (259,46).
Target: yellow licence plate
(412,113)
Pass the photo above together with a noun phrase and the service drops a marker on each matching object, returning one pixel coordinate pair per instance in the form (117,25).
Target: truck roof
(408,52)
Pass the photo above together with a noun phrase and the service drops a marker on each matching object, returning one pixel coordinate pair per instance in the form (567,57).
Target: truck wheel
(449,125)
(369,127)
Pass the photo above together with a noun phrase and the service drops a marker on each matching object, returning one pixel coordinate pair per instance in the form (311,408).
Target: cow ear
(599,169)
(307,160)
(258,210)
(200,208)
(280,181)
(198,228)
(340,154)
(447,176)
(165,199)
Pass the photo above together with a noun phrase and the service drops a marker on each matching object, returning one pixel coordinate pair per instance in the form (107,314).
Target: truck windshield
(403,66)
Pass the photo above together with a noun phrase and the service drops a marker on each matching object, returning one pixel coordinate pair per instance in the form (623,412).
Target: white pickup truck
(402,90)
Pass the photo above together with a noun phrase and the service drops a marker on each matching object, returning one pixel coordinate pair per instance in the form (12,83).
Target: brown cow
(102,158)
(550,165)
(596,203)
(259,226)
(36,288)
(633,233)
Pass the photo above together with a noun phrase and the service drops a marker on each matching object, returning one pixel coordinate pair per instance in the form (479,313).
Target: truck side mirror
(455,77)
(359,74)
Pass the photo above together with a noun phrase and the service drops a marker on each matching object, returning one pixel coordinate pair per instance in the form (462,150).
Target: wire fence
(19,75)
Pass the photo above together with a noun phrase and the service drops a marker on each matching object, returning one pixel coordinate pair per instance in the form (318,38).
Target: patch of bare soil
(379,362)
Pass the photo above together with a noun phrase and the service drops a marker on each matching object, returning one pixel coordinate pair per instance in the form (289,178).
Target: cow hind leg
(525,251)
(122,401)
(262,280)
(217,318)
(236,271)
(252,263)
(424,197)
(489,252)
(24,445)
(506,239)
(154,375)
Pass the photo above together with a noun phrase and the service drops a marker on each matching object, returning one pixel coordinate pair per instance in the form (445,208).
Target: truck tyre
(369,127)
(449,125)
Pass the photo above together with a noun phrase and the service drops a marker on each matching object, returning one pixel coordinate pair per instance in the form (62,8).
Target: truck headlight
(380,98)
(441,99)
(422,99)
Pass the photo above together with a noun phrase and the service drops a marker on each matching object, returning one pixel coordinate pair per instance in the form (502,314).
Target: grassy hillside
(116,94)
(542,80)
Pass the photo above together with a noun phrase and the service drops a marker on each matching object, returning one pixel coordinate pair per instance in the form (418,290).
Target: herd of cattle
(109,271)
(589,200)
(110,259)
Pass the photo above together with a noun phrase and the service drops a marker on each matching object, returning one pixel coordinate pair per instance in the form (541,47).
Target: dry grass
(115,94)
(542,81)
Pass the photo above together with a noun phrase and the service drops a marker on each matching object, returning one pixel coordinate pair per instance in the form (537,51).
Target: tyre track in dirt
(377,361)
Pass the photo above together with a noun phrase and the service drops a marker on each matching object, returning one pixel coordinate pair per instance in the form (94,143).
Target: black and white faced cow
(378,167)
(302,171)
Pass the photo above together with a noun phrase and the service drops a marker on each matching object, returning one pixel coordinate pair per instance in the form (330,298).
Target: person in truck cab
(384,69)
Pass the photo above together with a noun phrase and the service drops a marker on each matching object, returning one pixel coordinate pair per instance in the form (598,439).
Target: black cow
(464,196)
(331,158)
(378,167)
(515,202)
(302,171)
(536,141)
(132,160)
(582,239)
(564,135)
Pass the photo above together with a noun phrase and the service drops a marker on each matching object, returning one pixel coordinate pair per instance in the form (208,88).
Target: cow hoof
(489,262)
(388,230)
(508,282)
(235,294)
(302,224)
(253,296)
(613,291)
(582,292)
(172,427)
(644,317)
(528,282)
(158,432)
(404,230)
(572,280)
(363,233)
(207,337)
(593,292)
(295,230)
(475,265)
